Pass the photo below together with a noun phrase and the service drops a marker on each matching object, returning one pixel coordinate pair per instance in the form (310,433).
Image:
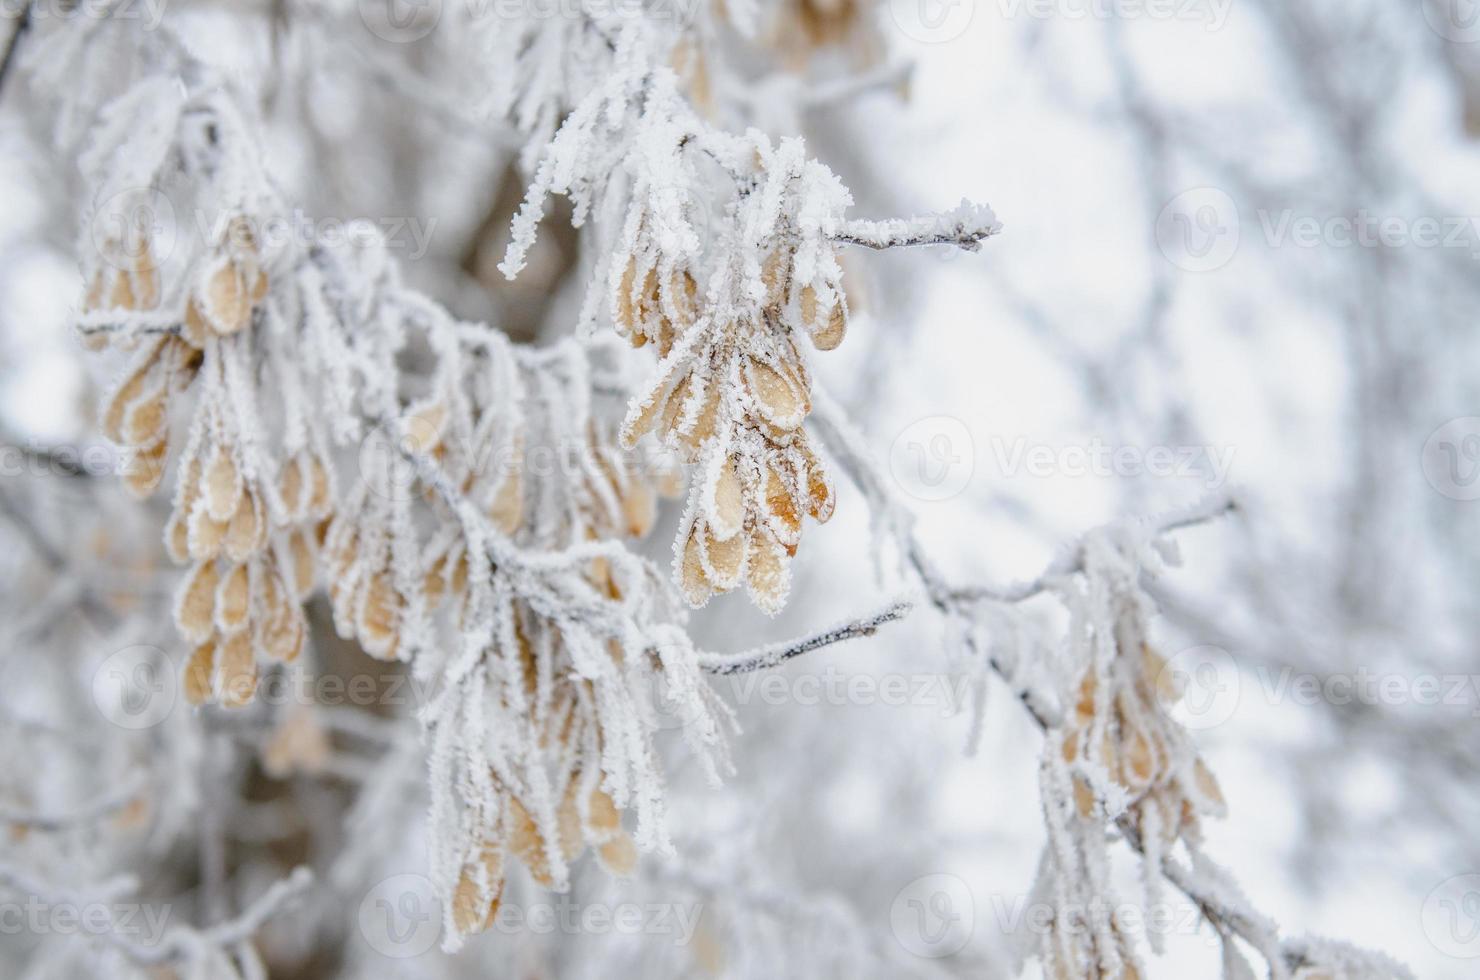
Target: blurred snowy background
(1241,251)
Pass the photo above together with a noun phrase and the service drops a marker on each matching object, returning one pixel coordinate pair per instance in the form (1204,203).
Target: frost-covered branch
(778,653)
(966,226)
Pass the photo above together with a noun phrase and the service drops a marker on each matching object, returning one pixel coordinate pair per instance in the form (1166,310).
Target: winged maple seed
(1121,724)
(241,595)
(586,818)
(731,395)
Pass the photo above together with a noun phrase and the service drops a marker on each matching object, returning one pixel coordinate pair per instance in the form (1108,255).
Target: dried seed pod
(145,418)
(727,509)
(144,468)
(205,535)
(639,507)
(247,532)
(221,485)
(724,558)
(507,509)
(282,638)
(783,516)
(195,608)
(320,498)
(697,588)
(233,600)
(177,537)
(831,333)
(293,487)
(605,820)
(236,671)
(528,844)
(198,672)
(480,886)
(379,617)
(618,856)
(303,560)
(226,303)
(767,574)
(776,397)
(141,379)
(424,427)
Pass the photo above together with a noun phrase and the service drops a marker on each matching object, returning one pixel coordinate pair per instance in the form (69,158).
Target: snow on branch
(965,226)
(777,653)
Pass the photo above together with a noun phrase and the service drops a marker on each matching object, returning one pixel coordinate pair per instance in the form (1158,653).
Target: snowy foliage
(320,427)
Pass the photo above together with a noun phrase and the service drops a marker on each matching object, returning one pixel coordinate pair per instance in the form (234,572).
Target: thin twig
(769,656)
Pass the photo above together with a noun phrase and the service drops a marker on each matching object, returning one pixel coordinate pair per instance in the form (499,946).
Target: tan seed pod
(1138,763)
(821,498)
(205,535)
(777,400)
(786,522)
(247,532)
(198,671)
(236,671)
(145,418)
(809,308)
(706,424)
(507,509)
(831,333)
(227,305)
(568,820)
(302,552)
(424,427)
(767,573)
(233,600)
(1084,708)
(177,537)
(221,485)
(138,381)
(726,559)
(1084,797)
(195,609)
(695,581)
(282,640)
(618,856)
(122,297)
(292,487)
(480,886)
(639,507)
(528,844)
(320,500)
(605,819)
(728,513)
(1207,785)
(623,309)
(144,469)
(379,617)
(644,417)
(194,330)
